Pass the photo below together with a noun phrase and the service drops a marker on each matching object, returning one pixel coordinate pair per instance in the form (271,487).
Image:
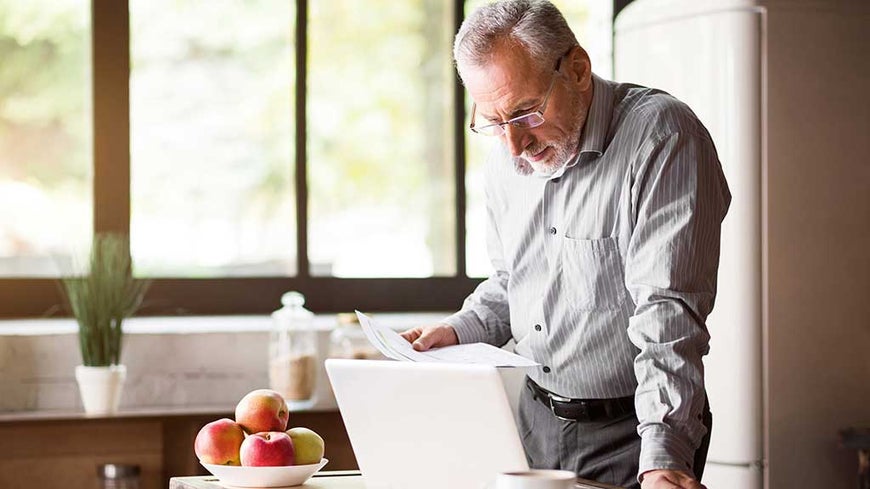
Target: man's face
(510,86)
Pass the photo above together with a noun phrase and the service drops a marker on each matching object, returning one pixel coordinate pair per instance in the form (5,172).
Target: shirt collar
(559,171)
(594,133)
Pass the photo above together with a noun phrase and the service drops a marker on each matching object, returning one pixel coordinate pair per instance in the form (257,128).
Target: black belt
(583,410)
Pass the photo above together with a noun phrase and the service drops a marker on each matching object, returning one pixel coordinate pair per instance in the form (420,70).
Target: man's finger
(424,342)
(411,335)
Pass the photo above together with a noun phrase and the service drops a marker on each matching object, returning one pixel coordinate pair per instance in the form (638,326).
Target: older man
(605,202)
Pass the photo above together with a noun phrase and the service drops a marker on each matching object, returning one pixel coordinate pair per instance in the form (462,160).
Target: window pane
(45,136)
(592,23)
(211,95)
(380,152)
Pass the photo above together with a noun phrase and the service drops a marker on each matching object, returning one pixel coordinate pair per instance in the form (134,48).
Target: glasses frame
(497,128)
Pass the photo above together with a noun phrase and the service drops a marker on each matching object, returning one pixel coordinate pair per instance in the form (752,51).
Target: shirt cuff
(661,448)
(468,327)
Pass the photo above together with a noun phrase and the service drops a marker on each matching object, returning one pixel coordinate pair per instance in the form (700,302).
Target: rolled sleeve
(661,449)
(469,327)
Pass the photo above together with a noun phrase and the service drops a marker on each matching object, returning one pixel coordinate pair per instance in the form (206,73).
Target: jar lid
(292,299)
(117,471)
(293,309)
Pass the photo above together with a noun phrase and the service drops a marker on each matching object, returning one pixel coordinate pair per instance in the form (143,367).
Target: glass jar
(293,352)
(118,476)
(348,340)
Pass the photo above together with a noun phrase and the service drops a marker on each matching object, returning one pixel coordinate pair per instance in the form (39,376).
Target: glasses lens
(489,129)
(533,119)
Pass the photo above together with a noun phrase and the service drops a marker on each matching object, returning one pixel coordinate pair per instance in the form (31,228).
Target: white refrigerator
(718,56)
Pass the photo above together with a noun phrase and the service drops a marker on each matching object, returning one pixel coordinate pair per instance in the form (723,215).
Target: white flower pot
(101,387)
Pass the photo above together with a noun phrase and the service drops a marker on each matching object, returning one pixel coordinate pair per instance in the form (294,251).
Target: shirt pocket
(592,274)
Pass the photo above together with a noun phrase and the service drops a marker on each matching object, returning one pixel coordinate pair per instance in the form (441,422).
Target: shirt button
(537,327)
(552,230)
(546,370)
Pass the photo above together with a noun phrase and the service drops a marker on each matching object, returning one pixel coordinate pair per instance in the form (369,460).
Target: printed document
(392,345)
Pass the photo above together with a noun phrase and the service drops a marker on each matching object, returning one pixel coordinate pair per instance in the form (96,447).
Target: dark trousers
(603,451)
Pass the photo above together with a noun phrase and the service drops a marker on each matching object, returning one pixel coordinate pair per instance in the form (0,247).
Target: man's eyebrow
(523,107)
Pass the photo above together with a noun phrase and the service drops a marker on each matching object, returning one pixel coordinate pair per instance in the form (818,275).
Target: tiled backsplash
(162,369)
(170,361)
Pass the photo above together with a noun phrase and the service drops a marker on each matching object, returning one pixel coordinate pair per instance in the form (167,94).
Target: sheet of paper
(392,345)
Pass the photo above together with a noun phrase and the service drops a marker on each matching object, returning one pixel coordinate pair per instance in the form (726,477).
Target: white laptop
(426,425)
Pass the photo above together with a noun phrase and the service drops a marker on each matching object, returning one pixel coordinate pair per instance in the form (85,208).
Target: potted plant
(100,299)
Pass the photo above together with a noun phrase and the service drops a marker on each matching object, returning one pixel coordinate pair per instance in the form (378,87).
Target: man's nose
(515,139)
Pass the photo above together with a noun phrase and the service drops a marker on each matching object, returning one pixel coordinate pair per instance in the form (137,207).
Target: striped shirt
(606,271)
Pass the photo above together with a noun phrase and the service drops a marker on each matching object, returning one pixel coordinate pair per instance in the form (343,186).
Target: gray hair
(536,25)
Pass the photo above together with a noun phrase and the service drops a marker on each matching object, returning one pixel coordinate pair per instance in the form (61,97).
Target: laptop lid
(426,425)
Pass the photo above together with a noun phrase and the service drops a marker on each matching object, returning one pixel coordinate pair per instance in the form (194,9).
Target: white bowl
(292,475)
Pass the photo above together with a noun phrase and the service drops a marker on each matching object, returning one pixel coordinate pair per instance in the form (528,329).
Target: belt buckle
(553,397)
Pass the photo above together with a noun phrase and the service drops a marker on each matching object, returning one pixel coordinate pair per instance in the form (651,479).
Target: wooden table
(348,479)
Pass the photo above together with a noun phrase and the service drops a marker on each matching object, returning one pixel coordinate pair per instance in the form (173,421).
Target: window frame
(110,50)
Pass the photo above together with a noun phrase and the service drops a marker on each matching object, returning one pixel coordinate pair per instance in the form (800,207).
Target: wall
(163,369)
(817,218)
(178,361)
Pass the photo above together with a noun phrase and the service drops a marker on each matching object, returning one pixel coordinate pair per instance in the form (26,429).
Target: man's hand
(426,337)
(669,479)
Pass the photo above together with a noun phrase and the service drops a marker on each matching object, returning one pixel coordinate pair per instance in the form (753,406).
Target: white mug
(536,479)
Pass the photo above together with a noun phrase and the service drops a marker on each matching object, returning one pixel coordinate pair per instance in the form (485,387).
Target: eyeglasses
(526,121)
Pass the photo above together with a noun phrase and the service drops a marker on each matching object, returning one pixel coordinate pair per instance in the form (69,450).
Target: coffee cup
(536,479)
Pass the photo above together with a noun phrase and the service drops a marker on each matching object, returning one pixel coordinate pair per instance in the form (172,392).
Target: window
(380,139)
(45,136)
(309,145)
(211,138)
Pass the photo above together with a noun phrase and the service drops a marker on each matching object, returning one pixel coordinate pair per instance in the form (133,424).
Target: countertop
(149,412)
(326,480)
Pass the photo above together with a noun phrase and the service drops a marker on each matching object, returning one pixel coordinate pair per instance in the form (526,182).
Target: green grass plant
(103,297)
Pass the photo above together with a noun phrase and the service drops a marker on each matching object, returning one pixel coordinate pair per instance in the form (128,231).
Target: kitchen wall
(171,361)
(817,251)
(163,368)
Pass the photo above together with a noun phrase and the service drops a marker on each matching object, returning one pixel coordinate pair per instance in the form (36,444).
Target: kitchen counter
(130,413)
(43,415)
(328,480)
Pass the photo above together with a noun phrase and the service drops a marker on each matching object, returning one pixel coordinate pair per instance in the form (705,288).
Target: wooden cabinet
(63,452)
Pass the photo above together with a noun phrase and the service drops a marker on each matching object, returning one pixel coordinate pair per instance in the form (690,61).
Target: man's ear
(579,69)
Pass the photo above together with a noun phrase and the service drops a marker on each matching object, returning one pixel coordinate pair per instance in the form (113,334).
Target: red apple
(269,449)
(262,410)
(219,442)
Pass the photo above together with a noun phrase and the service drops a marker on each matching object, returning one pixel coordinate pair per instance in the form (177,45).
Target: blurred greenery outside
(212,137)
(45,134)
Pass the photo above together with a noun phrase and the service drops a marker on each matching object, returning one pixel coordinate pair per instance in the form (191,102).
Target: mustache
(534,150)
(521,163)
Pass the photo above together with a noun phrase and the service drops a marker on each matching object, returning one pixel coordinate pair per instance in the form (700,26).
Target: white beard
(522,166)
(547,170)
(564,151)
